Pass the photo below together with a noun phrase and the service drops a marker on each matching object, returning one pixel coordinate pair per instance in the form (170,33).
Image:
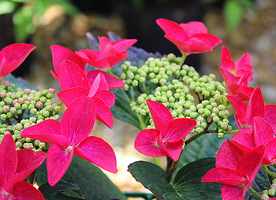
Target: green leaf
(82,180)
(233,13)
(154,178)
(121,109)
(187,182)
(93,183)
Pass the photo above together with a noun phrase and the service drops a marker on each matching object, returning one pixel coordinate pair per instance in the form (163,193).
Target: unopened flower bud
(39,104)
(5,83)
(6,109)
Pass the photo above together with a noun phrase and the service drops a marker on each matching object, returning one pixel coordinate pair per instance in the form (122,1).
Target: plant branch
(254,192)
(270,173)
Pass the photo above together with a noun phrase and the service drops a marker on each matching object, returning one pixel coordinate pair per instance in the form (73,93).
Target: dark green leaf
(153,178)
(93,183)
(187,182)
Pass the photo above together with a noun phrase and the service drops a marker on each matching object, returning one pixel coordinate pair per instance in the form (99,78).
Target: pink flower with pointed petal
(12,56)
(167,138)
(74,84)
(15,167)
(233,168)
(59,54)
(237,87)
(71,136)
(190,38)
(244,114)
(263,134)
(112,81)
(110,53)
(239,68)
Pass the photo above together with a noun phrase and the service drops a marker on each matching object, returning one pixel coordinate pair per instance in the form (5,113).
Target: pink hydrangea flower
(74,84)
(239,68)
(59,54)
(235,170)
(244,114)
(190,38)
(167,137)
(263,134)
(15,167)
(71,136)
(12,56)
(110,53)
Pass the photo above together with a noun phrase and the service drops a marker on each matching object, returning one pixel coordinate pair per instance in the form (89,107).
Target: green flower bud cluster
(20,109)
(182,90)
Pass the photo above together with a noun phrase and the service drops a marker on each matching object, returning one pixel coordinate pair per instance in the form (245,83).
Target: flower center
(69,149)
(4,193)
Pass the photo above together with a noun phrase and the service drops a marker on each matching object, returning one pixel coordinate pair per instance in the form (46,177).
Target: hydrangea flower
(74,84)
(71,136)
(235,170)
(12,56)
(190,38)
(110,53)
(167,137)
(15,167)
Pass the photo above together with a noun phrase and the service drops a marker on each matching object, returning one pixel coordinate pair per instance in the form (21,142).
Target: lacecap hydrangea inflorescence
(181,89)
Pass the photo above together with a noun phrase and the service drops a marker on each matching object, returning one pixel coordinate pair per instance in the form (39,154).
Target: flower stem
(156,161)
(254,192)
(183,58)
(32,177)
(270,173)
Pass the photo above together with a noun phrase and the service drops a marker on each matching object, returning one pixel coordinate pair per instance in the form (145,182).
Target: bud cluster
(20,109)
(180,88)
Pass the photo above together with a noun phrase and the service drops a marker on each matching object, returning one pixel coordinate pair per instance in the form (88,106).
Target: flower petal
(112,81)
(12,56)
(224,176)
(57,162)
(168,25)
(97,151)
(172,149)
(106,96)
(69,95)
(229,192)
(46,131)
(160,115)
(26,191)
(60,54)
(103,113)
(146,143)
(270,115)
(71,75)
(233,154)
(8,159)
(178,129)
(78,120)
(250,163)
(263,132)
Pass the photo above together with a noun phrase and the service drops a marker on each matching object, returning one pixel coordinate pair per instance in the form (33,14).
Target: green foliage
(25,11)
(187,183)
(82,180)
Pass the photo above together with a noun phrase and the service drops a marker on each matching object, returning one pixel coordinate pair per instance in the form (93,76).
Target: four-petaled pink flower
(110,53)
(244,114)
(263,134)
(74,84)
(167,137)
(15,167)
(12,56)
(59,54)
(235,170)
(239,68)
(190,38)
(71,136)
